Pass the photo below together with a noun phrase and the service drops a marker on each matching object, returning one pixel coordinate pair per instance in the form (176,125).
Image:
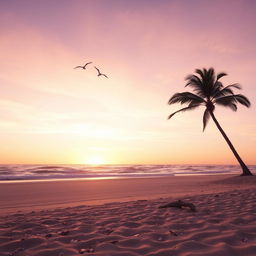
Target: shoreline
(46,172)
(6,181)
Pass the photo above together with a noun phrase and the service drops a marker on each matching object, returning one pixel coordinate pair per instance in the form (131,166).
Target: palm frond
(190,107)
(196,83)
(226,90)
(208,81)
(233,99)
(206,118)
(211,73)
(232,106)
(242,100)
(193,80)
(225,100)
(229,101)
(200,72)
(220,75)
(185,97)
(218,86)
(236,85)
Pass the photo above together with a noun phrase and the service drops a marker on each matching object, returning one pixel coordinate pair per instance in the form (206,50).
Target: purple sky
(146,48)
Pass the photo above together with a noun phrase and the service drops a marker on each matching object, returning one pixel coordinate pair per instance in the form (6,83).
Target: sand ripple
(224,224)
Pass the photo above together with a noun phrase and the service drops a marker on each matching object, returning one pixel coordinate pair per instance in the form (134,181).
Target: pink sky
(51,113)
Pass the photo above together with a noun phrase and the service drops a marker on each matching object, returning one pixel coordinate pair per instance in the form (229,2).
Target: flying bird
(99,73)
(83,67)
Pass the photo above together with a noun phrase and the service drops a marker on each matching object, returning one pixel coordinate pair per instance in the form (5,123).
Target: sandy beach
(122,217)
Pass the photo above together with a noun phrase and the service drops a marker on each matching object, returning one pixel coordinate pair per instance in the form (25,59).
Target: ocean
(18,173)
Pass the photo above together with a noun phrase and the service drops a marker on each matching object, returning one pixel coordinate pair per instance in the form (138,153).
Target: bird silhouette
(99,73)
(83,67)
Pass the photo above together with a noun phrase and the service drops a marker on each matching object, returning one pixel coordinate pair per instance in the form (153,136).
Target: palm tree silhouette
(209,91)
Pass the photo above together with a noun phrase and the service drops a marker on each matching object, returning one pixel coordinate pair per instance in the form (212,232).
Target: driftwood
(180,204)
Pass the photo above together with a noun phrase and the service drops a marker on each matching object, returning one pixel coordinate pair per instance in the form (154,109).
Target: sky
(51,113)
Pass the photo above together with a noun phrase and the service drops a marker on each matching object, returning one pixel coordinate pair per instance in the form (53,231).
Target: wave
(38,172)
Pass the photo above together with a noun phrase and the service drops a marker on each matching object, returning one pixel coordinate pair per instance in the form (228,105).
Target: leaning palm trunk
(246,171)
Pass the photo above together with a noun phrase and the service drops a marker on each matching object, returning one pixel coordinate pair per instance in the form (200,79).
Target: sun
(94,160)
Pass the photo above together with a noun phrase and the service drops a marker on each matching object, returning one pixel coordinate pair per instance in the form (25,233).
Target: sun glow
(94,160)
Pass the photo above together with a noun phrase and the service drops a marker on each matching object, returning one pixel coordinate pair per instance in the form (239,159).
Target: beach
(122,217)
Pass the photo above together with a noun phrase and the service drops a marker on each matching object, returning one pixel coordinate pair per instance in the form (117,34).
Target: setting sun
(94,160)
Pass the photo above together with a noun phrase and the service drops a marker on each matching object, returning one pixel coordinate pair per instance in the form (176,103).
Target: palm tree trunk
(246,171)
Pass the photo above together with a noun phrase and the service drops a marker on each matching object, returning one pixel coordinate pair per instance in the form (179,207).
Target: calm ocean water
(53,172)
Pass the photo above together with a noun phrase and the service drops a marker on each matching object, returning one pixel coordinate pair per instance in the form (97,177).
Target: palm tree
(208,92)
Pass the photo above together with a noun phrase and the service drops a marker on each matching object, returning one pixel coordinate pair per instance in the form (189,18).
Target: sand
(122,217)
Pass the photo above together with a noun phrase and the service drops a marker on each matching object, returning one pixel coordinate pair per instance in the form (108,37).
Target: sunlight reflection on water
(40,173)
